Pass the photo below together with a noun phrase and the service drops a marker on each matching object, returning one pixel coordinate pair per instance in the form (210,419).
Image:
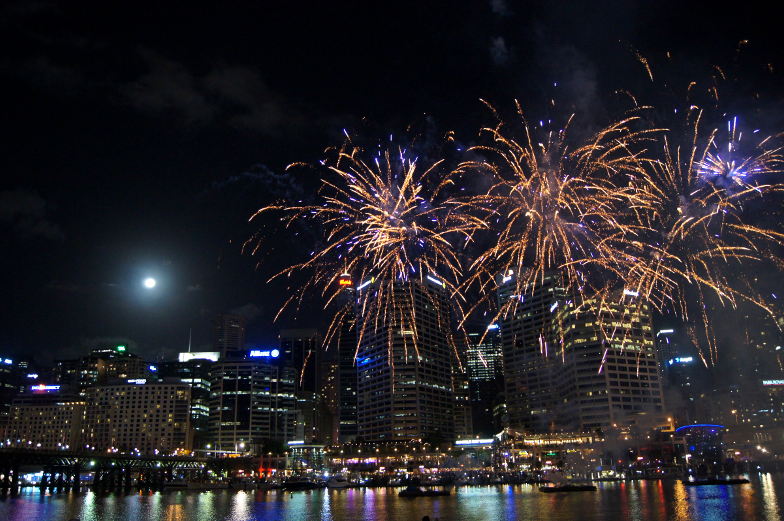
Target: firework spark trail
(686,234)
(386,222)
(554,205)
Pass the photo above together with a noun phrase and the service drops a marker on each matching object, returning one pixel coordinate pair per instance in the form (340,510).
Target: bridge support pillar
(15,479)
(77,483)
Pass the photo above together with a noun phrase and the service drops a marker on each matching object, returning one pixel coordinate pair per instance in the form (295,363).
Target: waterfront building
(193,369)
(410,396)
(484,363)
(252,401)
(139,415)
(346,343)
(329,427)
(42,418)
(576,364)
(302,349)
(464,426)
(609,372)
(531,368)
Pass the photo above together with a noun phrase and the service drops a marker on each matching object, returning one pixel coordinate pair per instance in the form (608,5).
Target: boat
(414,491)
(206,485)
(301,483)
(569,487)
(715,481)
(338,482)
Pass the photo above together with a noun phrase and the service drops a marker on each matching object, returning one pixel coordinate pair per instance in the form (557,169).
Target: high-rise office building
(578,365)
(330,395)
(484,364)
(13,377)
(193,369)
(609,370)
(252,401)
(529,348)
(684,377)
(228,334)
(302,349)
(410,396)
(464,425)
(346,343)
(102,365)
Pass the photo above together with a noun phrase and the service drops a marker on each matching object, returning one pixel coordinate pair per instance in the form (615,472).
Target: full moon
(149,283)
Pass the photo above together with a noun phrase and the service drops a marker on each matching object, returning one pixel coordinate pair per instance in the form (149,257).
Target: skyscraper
(228,334)
(193,369)
(252,401)
(484,363)
(609,370)
(409,396)
(530,364)
(347,368)
(578,364)
(302,349)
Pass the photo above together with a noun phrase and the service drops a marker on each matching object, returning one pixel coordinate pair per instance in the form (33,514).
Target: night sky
(138,138)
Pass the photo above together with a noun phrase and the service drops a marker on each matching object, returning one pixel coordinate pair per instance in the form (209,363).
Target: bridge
(62,470)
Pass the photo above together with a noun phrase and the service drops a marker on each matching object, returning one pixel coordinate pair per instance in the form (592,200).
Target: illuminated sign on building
(772,382)
(366,283)
(475,443)
(44,388)
(665,332)
(137,381)
(435,280)
(256,353)
(296,442)
(631,293)
(681,360)
(201,355)
(121,348)
(345,279)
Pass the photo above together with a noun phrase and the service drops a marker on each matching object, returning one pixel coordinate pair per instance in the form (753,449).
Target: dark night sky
(139,137)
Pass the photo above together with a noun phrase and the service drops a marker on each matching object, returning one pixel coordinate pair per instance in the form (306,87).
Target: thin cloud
(235,96)
(24,211)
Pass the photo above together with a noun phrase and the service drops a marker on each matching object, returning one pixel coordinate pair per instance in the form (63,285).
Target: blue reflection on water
(637,501)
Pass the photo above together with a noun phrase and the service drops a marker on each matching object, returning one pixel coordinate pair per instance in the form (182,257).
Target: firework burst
(553,205)
(686,242)
(387,224)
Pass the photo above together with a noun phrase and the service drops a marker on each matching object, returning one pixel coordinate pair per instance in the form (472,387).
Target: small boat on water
(338,482)
(568,487)
(715,481)
(414,491)
(301,483)
(206,485)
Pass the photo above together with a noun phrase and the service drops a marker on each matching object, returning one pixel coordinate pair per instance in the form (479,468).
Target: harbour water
(762,499)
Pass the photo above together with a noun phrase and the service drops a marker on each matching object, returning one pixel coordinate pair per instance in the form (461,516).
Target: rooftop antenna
(190,335)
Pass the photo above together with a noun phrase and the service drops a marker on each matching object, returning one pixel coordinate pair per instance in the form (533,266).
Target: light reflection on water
(635,501)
